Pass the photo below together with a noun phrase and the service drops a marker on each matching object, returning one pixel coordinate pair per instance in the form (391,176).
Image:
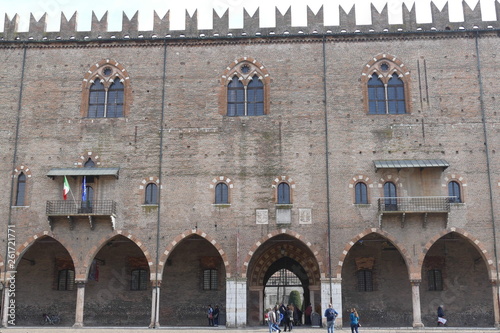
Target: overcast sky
(53,8)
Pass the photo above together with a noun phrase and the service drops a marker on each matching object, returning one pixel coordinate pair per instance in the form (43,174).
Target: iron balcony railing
(415,204)
(78,207)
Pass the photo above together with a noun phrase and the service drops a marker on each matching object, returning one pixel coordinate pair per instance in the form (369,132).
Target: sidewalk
(260,329)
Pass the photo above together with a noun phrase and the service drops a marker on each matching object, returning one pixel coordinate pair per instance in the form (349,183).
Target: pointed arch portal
(287,255)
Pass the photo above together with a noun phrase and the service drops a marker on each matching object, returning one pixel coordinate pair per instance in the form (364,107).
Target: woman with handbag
(354,320)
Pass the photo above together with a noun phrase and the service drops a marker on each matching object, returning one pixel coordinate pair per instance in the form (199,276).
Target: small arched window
(221,194)
(361,193)
(151,196)
(21,189)
(454,192)
(284,193)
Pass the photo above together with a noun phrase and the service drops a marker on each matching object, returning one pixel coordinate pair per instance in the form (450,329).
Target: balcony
(72,209)
(412,205)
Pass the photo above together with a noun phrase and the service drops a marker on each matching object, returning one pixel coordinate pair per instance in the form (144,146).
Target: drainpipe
(156,305)
(11,228)
(327,180)
(488,166)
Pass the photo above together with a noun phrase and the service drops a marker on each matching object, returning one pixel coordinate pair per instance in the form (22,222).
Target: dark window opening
(139,279)
(283,193)
(210,279)
(365,280)
(221,194)
(454,192)
(21,189)
(151,194)
(66,279)
(361,193)
(435,279)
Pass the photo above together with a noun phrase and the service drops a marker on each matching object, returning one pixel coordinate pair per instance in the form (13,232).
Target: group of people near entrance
(213,315)
(331,315)
(281,314)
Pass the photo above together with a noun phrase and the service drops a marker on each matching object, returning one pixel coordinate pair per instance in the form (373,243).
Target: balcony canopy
(401,164)
(59,172)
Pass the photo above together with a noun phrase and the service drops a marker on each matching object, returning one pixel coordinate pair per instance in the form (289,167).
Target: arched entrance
(193,278)
(452,268)
(375,280)
(118,291)
(282,253)
(45,283)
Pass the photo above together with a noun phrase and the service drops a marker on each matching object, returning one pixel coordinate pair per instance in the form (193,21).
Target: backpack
(330,315)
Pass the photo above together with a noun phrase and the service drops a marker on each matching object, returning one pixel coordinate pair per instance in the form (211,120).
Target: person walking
(441,320)
(354,320)
(330,315)
(271,320)
(289,318)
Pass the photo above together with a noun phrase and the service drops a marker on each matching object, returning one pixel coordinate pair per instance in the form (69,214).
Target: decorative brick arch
(311,266)
(164,256)
(80,162)
(401,248)
(21,250)
(82,274)
(489,260)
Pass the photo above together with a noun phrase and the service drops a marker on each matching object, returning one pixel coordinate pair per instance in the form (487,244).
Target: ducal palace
(150,174)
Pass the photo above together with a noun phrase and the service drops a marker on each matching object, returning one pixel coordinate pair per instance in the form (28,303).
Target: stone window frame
(462,183)
(394,66)
(142,188)
(96,72)
(361,179)
(291,184)
(22,169)
(230,185)
(255,68)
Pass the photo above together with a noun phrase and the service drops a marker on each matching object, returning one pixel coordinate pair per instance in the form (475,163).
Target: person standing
(210,315)
(289,318)
(216,316)
(354,320)
(330,315)
(273,326)
(307,313)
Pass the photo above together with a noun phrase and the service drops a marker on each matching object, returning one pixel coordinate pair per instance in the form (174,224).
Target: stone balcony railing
(427,204)
(77,208)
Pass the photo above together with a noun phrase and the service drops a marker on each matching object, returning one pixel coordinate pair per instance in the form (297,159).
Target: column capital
(415,282)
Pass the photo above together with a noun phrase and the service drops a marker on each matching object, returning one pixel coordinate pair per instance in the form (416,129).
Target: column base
(78,325)
(418,325)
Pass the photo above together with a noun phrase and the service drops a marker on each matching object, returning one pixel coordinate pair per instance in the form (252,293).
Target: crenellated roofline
(251,27)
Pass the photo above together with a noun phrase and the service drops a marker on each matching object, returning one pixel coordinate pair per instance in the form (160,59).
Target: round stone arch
(164,256)
(401,248)
(32,239)
(473,241)
(300,256)
(82,274)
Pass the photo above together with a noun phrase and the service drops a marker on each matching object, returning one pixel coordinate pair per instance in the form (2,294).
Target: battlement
(251,25)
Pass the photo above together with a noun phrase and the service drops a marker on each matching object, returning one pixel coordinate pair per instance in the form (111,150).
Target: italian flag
(65,188)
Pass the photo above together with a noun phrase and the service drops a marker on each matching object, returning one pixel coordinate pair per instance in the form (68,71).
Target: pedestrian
(289,318)
(271,320)
(307,314)
(210,315)
(354,320)
(330,315)
(216,316)
(441,320)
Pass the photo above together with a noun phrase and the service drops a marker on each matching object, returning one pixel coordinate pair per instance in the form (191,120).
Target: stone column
(336,296)
(5,304)
(80,303)
(415,296)
(236,302)
(155,304)
(496,300)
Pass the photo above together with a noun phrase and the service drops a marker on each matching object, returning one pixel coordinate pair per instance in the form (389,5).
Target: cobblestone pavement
(260,329)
